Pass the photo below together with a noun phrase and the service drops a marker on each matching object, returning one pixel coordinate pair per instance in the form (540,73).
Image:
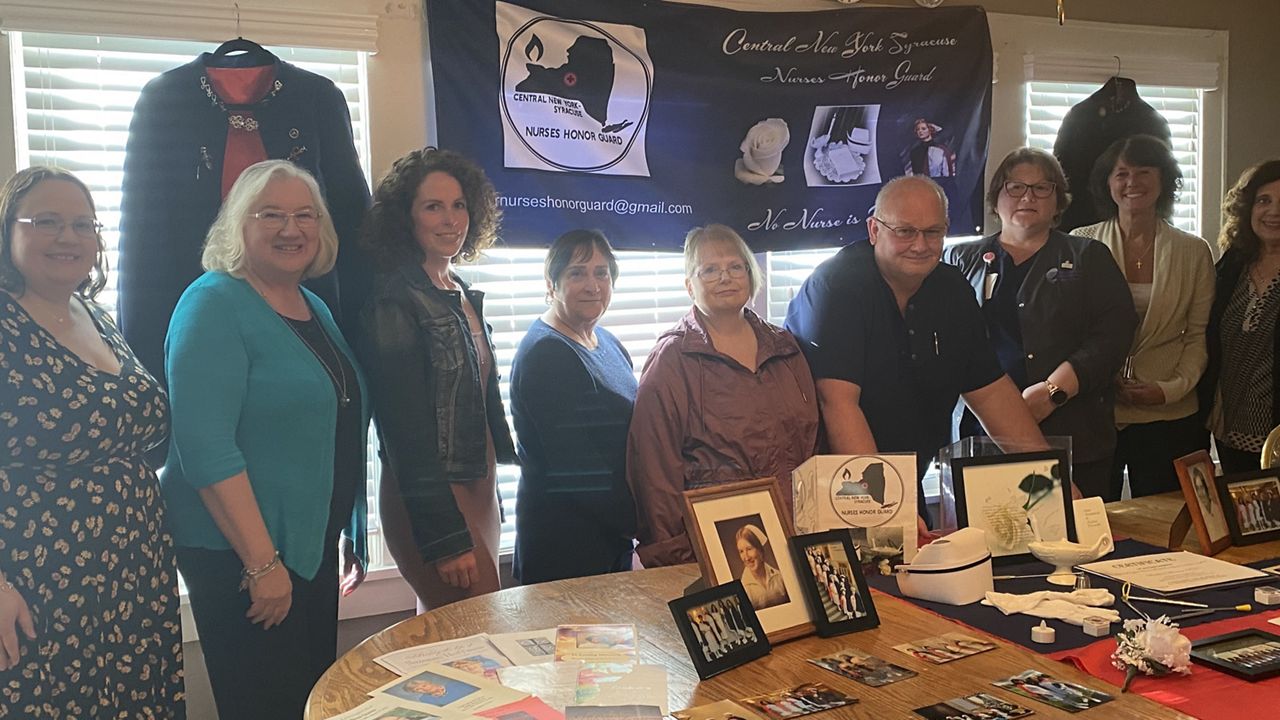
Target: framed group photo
(833,582)
(1200,490)
(1252,505)
(739,531)
(720,628)
(1015,499)
(1247,654)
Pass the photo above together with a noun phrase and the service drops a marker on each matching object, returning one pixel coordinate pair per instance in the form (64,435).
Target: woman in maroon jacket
(724,396)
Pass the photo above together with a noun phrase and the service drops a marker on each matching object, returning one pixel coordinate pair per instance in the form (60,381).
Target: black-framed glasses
(1038,190)
(52,225)
(277,219)
(713,273)
(907,233)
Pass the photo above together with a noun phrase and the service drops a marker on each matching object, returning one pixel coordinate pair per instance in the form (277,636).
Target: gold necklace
(1150,249)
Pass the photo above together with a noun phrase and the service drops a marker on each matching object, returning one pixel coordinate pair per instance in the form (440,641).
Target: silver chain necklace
(339,380)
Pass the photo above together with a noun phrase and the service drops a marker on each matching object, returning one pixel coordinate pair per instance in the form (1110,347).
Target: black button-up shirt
(911,366)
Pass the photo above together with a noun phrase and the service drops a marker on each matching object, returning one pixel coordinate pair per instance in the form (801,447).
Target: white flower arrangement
(1151,647)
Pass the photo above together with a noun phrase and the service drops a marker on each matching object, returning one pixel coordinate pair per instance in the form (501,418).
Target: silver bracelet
(249,576)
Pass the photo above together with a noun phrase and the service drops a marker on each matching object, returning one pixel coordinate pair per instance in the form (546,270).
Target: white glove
(1072,607)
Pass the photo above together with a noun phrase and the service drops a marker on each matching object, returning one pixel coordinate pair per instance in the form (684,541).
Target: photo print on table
(596,643)
(438,687)
(720,628)
(739,531)
(945,648)
(722,710)
(866,669)
(1051,691)
(1252,501)
(834,586)
(1016,499)
(979,706)
(799,700)
(842,146)
(613,712)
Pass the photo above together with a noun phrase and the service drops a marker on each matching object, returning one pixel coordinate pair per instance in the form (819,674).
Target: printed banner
(645,120)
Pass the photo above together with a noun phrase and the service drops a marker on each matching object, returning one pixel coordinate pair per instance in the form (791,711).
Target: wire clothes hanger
(239,52)
(1123,91)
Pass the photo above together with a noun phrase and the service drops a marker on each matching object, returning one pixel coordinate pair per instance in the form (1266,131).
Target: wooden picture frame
(1252,503)
(739,531)
(1250,654)
(1009,495)
(720,628)
(834,585)
(1199,489)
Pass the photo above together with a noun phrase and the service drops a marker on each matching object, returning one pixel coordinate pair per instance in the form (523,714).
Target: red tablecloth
(1205,693)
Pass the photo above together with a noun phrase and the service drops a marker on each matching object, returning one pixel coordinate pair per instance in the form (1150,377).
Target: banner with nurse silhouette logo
(575,94)
(644,120)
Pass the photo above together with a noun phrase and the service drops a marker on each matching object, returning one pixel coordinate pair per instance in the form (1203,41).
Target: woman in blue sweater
(266,468)
(572,390)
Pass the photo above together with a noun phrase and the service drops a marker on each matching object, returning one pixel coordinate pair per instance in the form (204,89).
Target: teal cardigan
(247,395)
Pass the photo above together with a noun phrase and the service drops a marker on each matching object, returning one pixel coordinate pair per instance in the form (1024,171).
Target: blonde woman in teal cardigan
(266,468)
(1171,278)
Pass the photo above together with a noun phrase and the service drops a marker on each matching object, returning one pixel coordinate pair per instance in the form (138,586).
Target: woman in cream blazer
(1170,275)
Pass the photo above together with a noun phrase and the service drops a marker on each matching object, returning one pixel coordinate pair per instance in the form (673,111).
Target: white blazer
(1169,348)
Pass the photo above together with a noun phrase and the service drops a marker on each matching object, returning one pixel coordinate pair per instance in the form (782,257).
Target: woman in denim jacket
(430,357)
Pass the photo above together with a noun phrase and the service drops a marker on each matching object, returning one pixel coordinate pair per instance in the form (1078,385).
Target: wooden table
(641,597)
(1148,519)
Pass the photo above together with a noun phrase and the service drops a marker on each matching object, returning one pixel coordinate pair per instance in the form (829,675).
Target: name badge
(989,285)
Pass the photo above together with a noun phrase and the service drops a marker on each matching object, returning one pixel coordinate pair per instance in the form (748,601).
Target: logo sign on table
(644,120)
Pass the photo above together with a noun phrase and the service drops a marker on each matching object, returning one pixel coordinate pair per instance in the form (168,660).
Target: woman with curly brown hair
(1240,382)
(431,359)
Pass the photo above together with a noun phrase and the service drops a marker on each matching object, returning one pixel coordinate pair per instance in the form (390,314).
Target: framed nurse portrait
(1199,489)
(739,531)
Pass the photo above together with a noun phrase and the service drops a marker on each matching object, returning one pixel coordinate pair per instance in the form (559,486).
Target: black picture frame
(710,620)
(970,472)
(1264,525)
(841,602)
(1230,653)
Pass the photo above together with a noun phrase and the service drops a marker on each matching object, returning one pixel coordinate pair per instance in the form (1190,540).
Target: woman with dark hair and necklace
(1170,276)
(265,478)
(572,393)
(1244,323)
(432,364)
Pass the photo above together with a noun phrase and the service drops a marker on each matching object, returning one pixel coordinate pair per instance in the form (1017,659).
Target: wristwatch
(1057,395)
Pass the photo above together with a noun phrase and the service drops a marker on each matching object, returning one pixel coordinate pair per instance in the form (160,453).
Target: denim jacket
(429,403)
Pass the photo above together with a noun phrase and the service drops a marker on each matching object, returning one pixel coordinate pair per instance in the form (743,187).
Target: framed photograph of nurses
(833,582)
(739,531)
(720,628)
(1016,499)
(1252,502)
(1199,489)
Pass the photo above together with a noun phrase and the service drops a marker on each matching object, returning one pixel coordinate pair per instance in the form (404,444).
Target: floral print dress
(82,533)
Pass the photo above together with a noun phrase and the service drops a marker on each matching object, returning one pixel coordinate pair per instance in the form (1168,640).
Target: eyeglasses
(906,233)
(52,225)
(1039,190)
(713,273)
(276,220)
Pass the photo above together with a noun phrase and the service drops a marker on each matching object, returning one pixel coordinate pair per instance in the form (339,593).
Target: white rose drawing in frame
(761,160)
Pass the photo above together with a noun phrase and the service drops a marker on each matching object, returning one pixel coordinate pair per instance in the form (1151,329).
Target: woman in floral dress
(89,624)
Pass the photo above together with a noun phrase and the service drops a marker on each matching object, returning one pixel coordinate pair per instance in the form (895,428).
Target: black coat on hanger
(1114,111)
